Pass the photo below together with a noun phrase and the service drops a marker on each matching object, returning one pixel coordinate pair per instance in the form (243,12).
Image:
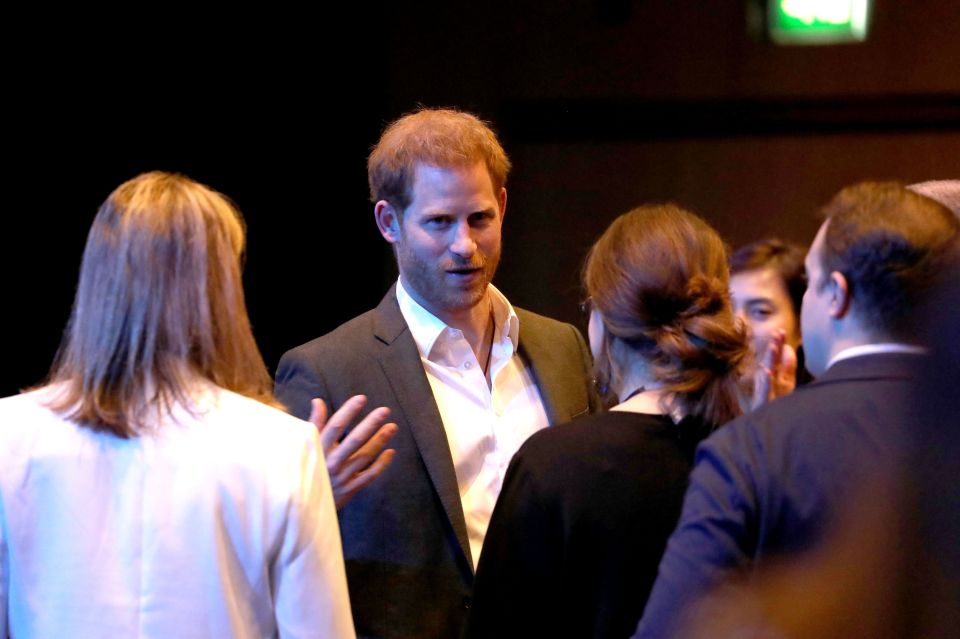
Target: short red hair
(438,137)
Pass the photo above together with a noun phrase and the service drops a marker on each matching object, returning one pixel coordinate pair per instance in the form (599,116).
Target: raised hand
(360,458)
(776,374)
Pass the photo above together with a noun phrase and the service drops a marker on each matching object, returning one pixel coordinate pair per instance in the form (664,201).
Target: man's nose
(463,242)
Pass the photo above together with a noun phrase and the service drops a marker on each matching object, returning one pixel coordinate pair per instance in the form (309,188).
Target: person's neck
(648,402)
(639,393)
(476,323)
(857,335)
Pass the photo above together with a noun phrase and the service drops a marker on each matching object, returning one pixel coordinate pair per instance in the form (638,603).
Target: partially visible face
(761,300)
(815,319)
(449,245)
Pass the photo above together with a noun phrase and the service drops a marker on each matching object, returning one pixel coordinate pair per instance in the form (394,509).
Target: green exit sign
(818,21)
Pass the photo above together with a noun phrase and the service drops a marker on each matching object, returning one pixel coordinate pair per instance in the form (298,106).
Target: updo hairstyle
(659,279)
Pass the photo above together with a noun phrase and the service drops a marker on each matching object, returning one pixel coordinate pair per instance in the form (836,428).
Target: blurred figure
(151,488)
(771,481)
(587,506)
(767,282)
(891,569)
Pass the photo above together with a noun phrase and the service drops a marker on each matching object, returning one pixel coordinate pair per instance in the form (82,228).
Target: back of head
(892,246)
(784,258)
(159,303)
(436,137)
(658,277)
(946,192)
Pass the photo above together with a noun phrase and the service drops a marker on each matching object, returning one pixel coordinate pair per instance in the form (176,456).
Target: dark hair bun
(706,296)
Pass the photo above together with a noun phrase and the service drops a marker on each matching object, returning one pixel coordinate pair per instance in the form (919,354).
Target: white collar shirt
(484,425)
(875,349)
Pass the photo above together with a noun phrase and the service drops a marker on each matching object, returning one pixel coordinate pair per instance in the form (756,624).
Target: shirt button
(466,365)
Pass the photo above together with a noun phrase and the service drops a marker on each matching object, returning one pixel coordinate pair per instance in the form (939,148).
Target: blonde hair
(437,137)
(159,303)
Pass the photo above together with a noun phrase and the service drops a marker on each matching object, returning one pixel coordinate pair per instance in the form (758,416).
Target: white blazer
(217,523)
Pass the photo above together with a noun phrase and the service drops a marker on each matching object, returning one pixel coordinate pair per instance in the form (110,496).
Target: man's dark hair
(784,258)
(892,246)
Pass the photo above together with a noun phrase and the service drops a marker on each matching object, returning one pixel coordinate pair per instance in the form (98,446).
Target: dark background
(601,104)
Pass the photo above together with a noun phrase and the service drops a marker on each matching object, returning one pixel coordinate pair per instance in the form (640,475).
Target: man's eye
(760,313)
(438,221)
(481,217)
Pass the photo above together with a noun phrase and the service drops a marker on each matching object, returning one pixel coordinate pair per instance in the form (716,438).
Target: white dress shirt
(874,349)
(216,524)
(485,425)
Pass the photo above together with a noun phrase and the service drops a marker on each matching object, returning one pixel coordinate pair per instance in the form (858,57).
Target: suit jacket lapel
(400,361)
(563,391)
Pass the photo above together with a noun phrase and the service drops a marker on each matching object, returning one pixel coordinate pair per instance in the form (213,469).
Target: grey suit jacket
(405,537)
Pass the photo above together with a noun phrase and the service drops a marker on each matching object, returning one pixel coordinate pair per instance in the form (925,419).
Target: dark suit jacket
(405,537)
(770,482)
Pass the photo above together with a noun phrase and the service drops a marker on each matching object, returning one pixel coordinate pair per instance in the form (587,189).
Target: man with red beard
(466,376)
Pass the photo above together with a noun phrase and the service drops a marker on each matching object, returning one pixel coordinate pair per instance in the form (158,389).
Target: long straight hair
(159,304)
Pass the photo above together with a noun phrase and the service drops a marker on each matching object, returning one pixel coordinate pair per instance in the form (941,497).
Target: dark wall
(602,104)
(278,120)
(608,104)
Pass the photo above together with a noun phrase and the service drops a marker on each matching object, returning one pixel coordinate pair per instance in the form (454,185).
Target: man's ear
(388,221)
(840,297)
(502,200)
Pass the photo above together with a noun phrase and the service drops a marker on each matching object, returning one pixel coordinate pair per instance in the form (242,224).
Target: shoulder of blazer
(560,361)
(545,331)
(384,323)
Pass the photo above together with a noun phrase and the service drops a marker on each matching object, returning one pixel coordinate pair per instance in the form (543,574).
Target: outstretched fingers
(366,438)
(331,429)
(364,477)
(354,461)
